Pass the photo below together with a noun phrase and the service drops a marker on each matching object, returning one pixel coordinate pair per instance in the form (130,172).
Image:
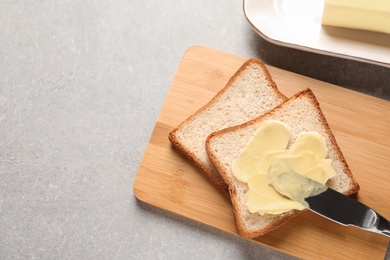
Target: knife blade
(348,211)
(325,201)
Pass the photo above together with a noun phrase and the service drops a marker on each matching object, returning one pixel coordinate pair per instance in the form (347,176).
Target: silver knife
(325,201)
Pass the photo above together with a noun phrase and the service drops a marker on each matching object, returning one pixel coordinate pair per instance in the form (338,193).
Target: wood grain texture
(360,123)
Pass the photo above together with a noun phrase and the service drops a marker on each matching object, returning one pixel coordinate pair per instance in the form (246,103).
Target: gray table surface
(81,86)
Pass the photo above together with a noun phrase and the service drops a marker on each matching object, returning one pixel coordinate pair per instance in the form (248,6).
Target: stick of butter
(371,15)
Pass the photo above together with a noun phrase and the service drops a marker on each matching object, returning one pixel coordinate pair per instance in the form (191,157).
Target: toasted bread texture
(301,112)
(249,93)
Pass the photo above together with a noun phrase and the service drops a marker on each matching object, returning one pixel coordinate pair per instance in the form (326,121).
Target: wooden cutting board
(360,123)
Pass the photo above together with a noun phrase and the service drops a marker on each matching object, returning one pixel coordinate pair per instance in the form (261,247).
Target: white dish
(297,24)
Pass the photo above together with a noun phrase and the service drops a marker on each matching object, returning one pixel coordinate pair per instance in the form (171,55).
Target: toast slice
(301,112)
(249,93)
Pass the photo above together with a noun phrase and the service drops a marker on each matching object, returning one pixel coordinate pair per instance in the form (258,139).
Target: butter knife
(325,201)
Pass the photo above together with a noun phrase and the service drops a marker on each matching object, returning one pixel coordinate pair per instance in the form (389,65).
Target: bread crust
(237,202)
(208,170)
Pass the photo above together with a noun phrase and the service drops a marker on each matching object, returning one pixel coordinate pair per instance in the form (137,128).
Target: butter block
(370,15)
